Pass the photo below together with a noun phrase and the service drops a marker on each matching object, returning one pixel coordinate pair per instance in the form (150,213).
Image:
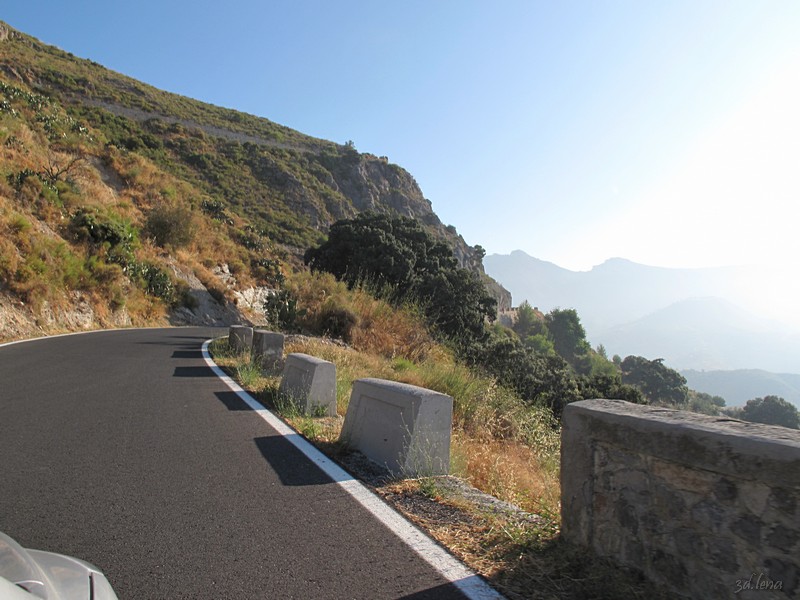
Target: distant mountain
(737,387)
(690,317)
(706,333)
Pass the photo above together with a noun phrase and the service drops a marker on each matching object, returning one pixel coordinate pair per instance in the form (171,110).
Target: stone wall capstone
(708,507)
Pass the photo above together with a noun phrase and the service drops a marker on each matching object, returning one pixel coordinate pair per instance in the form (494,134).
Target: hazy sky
(665,132)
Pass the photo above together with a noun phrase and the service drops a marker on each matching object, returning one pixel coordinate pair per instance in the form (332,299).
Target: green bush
(281,310)
(107,229)
(153,279)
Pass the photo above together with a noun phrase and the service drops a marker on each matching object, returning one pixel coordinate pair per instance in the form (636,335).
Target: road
(123,448)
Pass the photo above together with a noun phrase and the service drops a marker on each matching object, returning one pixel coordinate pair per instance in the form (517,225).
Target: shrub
(104,229)
(19,224)
(153,279)
(183,296)
(281,310)
(170,225)
(338,322)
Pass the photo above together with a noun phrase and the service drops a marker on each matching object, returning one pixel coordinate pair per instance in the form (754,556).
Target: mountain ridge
(79,139)
(692,318)
(740,385)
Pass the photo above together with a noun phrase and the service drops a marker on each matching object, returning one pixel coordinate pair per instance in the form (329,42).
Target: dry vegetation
(85,225)
(502,446)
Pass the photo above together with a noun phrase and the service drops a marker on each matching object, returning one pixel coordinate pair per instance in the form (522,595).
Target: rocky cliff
(259,193)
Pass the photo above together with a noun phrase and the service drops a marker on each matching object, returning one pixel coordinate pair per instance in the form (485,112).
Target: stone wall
(707,507)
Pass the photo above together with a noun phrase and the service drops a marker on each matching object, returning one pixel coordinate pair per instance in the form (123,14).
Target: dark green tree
(609,387)
(569,338)
(402,262)
(772,410)
(656,381)
(542,380)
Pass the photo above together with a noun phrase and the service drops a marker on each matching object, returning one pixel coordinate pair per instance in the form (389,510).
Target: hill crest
(260,192)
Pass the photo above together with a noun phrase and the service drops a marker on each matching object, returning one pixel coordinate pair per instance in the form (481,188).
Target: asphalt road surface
(124,449)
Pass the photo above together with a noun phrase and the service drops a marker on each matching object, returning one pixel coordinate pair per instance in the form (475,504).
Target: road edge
(472,585)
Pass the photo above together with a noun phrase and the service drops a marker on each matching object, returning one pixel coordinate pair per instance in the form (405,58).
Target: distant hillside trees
(561,333)
(569,338)
(399,260)
(700,402)
(656,381)
(772,410)
(532,331)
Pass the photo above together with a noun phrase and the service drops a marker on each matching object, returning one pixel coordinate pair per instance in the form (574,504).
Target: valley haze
(695,319)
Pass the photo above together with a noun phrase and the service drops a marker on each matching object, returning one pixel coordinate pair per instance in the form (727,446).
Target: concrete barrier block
(240,338)
(267,348)
(310,382)
(404,427)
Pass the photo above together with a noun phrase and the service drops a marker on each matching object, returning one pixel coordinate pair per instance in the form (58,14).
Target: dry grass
(508,470)
(518,551)
(379,329)
(486,450)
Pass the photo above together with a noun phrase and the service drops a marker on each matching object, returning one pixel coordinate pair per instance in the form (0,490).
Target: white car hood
(30,574)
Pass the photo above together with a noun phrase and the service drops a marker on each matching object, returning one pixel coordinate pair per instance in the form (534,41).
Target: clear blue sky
(665,132)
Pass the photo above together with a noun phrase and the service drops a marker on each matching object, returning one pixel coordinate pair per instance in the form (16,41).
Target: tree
(532,331)
(600,365)
(540,344)
(569,338)
(772,410)
(656,381)
(388,252)
(541,380)
(701,402)
(609,387)
(528,322)
(402,262)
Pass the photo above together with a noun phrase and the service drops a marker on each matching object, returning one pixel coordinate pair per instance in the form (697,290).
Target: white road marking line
(466,580)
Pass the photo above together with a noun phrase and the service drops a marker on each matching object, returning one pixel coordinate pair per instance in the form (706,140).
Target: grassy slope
(76,137)
(257,193)
(285,183)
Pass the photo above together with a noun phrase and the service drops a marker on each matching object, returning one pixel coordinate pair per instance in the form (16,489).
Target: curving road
(123,448)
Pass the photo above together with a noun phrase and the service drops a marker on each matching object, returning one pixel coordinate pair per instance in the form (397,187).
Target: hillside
(93,163)
(693,318)
(737,387)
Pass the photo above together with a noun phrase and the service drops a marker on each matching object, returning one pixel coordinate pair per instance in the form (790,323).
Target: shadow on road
(187,354)
(232,401)
(193,372)
(289,463)
(440,592)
